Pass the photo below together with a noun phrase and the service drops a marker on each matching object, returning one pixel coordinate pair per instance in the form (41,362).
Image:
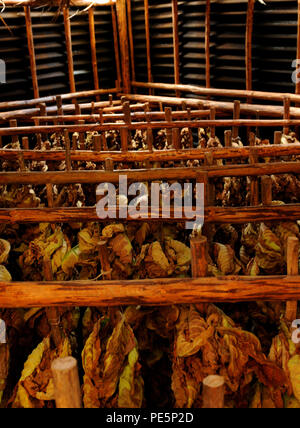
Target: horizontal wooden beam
(75,3)
(231,93)
(28,130)
(6,105)
(221,106)
(138,175)
(149,292)
(155,115)
(231,215)
(67,108)
(155,156)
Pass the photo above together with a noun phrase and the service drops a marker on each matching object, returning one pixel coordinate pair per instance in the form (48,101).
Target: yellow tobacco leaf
(131,384)
(119,345)
(70,260)
(54,242)
(59,256)
(183,253)
(192,332)
(225,258)
(110,230)
(90,361)
(252,268)
(92,351)
(4,250)
(294,371)
(22,398)
(4,274)
(157,264)
(88,240)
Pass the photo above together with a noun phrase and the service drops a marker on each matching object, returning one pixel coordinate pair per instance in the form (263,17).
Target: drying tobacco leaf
(269,253)
(131,385)
(225,259)
(105,363)
(4,367)
(192,332)
(179,254)
(35,387)
(156,263)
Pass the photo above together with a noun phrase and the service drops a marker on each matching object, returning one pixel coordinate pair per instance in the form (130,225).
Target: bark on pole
(66,383)
(124,48)
(292,269)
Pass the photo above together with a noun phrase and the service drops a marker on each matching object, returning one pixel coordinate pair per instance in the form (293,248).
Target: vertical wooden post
(213,392)
(123,32)
(93,49)
(176,44)
(266,190)
(68,150)
(292,257)
(31,51)
(68,36)
(236,116)
(116,45)
(213,117)
(131,45)
(66,383)
(199,256)
(207,44)
(287,113)
(249,34)
(277,137)
(148,47)
(254,180)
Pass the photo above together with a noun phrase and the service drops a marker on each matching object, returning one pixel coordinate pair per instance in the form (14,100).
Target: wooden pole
(31,51)
(149,292)
(66,383)
(199,256)
(93,49)
(207,44)
(176,44)
(116,45)
(266,190)
(130,33)
(148,47)
(213,392)
(123,32)
(227,215)
(249,34)
(237,93)
(292,269)
(68,36)
(287,114)
(254,189)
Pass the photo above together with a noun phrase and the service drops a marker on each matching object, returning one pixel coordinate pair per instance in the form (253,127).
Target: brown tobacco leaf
(104,364)
(118,347)
(192,332)
(4,367)
(35,386)
(186,381)
(163,320)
